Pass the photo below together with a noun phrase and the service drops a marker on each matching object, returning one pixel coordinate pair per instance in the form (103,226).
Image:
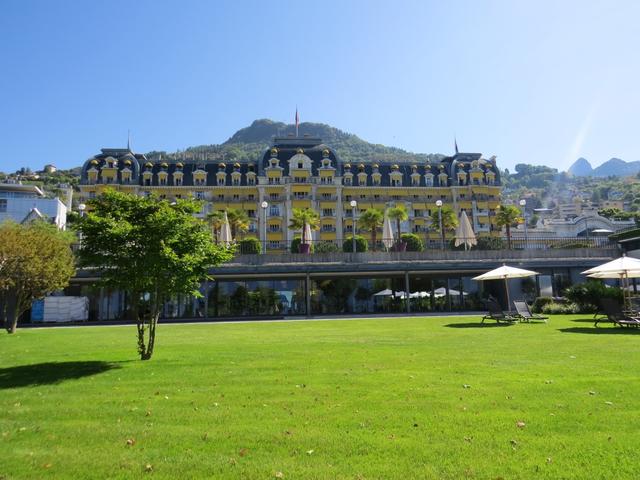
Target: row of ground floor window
(304,295)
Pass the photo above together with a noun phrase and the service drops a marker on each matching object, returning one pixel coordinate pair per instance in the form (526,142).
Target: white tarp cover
(66,309)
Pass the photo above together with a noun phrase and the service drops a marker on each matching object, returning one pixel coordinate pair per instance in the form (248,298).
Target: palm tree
(303,217)
(507,216)
(372,220)
(238,221)
(399,214)
(449,220)
(215,221)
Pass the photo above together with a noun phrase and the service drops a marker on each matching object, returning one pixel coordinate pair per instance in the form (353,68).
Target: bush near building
(249,246)
(414,243)
(361,244)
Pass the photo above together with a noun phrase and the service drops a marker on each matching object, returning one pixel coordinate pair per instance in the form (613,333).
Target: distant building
(25,203)
(50,168)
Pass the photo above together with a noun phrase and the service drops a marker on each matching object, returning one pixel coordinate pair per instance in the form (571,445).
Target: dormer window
(346,181)
(300,165)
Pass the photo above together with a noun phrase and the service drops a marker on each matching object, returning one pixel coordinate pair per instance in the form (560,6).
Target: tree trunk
(508,236)
(146,326)
(12,314)
(373,238)
(398,225)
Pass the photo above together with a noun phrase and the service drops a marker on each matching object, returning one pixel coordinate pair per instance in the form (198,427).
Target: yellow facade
(304,173)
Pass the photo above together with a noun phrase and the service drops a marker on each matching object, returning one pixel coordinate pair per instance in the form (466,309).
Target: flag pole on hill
(297,120)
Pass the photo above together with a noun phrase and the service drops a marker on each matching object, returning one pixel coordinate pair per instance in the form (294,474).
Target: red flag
(297,121)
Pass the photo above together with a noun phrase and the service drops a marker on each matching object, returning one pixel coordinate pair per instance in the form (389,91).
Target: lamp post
(523,204)
(439,205)
(81,208)
(353,204)
(264,206)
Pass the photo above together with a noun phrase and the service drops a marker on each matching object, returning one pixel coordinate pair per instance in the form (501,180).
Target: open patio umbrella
(464,233)
(622,268)
(225,231)
(387,232)
(505,273)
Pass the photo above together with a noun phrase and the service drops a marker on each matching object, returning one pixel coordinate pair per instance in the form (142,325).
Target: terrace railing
(435,245)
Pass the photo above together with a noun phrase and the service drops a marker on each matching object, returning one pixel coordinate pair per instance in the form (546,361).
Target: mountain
(250,142)
(611,168)
(617,167)
(581,168)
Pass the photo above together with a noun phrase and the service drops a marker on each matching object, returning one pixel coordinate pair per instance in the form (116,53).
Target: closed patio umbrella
(225,231)
(505,273)
(464,233)
(387,232)
(306,234)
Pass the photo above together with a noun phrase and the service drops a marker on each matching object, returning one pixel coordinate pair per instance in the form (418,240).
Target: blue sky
(540,82)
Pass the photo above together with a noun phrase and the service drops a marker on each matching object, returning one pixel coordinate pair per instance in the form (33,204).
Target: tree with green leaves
(238,221)
(150,248)
(35,260)
(372,220)
(301,218)
(449,220)
(507,216)
(215,220)
(399,214)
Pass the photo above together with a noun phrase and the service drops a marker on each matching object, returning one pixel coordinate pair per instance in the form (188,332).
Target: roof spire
(128,139)
(455,143)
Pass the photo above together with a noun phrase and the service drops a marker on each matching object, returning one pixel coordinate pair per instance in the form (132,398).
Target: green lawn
(363,399)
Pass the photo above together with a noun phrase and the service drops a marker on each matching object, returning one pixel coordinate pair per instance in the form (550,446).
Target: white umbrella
(383,293)
(306,234)
(620,265)
(464,233)
(505,273)
(387,232)
(225,231)
(441,292)
(622,268)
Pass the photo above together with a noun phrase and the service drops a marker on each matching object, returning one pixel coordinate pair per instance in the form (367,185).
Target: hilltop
(248,144)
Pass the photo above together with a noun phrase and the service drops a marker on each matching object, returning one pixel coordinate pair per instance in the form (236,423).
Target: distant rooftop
(19,188)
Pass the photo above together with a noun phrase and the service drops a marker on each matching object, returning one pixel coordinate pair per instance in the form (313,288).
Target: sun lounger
(613,310)
(496,313)
(525,313)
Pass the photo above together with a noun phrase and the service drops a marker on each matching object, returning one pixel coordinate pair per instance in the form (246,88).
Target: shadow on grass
(602,330)
(478,325)
(588,320)
(50,373)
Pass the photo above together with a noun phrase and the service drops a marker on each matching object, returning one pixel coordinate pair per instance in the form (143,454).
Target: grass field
(362,399)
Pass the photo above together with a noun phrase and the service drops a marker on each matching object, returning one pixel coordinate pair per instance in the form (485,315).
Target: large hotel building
(302,172)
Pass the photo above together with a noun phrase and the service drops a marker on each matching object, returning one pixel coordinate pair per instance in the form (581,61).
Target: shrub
(560,308)
(586,295)
(491,243)
(540,303)
(361,244)
(295,245)
(327,247)
(414,243)
(249,246)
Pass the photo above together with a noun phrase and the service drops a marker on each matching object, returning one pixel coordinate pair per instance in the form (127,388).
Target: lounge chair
(496,313)
(613,310)
(525,313)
